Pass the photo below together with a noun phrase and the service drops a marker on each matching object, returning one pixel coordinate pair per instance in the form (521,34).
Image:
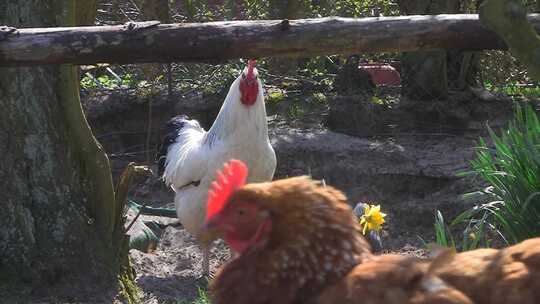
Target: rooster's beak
(209,232)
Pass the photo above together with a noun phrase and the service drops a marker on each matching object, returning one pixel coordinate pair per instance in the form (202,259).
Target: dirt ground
(404,160)
(173,271)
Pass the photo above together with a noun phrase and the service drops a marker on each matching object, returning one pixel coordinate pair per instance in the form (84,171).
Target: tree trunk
(60,223)
(509,19)
(424,74)
(463,67)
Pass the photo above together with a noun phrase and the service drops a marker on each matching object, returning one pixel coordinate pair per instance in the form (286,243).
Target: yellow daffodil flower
(372,219)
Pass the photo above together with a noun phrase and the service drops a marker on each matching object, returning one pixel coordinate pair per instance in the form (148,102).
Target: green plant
(473,234)
(295,111)
(88,83)
(275,96)
(515,89)
(511,208)
(202,298)
(443,236)
(512,169)
(319,97)
(107,82)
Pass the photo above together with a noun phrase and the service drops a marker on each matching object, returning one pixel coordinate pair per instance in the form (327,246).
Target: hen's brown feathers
(315,240)
(509,275)
(484,276)
(391,279)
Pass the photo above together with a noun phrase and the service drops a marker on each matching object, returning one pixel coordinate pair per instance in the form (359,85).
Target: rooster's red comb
(233,177)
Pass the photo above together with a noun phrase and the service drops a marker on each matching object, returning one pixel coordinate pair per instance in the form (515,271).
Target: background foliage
(498,70)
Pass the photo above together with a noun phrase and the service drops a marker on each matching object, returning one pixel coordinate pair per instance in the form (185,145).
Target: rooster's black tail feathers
(172,128)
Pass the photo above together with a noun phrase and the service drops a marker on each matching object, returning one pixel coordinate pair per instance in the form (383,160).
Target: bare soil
(173,271)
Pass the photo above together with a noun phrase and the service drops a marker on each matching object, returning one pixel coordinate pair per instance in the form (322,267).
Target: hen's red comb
(251,65)
(233,177)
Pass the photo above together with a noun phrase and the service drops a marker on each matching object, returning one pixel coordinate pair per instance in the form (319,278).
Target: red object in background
(382,73)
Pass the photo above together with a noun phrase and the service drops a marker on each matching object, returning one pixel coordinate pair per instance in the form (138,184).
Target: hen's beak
(209,232)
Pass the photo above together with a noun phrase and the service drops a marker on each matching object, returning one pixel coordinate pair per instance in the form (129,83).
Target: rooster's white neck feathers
(244,121)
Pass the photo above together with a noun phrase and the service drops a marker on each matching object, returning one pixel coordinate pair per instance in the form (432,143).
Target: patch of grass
(319,97)
(378,101)
(295,111)
(473,234)
(107,82)
(275,96)
(88,83)
(443,237)
(516,89)
(202,298)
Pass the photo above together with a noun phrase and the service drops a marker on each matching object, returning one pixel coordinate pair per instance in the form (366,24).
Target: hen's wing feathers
(509,275)
(392,279)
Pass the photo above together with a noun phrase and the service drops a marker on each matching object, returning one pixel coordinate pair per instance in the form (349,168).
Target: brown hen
(297,241)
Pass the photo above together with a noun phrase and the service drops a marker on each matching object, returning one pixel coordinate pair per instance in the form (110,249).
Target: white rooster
(190,156)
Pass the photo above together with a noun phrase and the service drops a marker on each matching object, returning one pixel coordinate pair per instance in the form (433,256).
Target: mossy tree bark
(508,18)
(60,222)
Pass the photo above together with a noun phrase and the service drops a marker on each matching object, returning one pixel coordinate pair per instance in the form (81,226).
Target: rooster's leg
(206,260)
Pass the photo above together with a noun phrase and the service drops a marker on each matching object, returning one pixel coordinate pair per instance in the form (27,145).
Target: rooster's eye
(240,212)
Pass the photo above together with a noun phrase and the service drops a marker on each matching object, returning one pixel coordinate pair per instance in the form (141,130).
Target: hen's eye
(241,212)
